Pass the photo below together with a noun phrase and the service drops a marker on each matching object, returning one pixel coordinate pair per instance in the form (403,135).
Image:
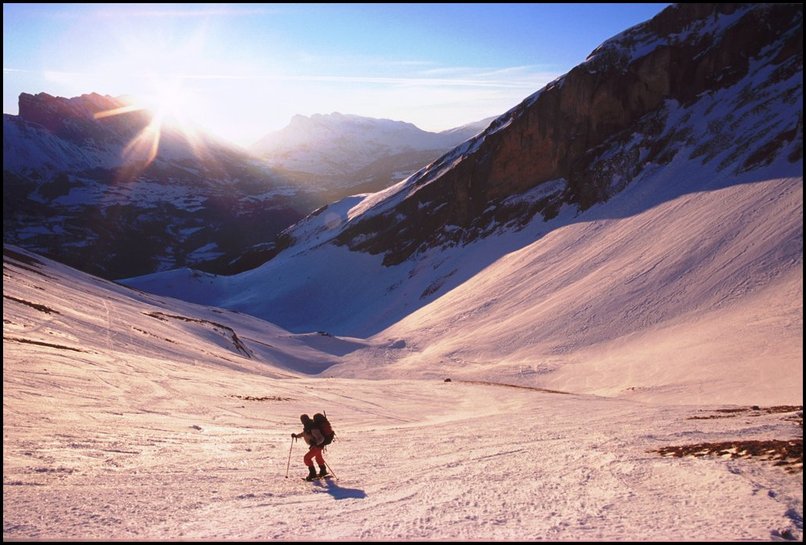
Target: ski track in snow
(127,416)
(414,460)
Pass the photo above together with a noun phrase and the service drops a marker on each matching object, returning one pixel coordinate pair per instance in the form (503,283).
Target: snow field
(182,455)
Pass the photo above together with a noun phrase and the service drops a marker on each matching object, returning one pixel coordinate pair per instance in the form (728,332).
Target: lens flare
(171,108)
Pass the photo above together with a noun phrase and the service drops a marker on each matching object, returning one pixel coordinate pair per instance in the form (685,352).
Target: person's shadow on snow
(341,493)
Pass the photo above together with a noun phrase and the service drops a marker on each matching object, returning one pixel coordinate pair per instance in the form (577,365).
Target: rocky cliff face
(74,118)
(581,129)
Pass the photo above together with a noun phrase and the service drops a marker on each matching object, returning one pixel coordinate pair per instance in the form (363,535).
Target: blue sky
(242,70)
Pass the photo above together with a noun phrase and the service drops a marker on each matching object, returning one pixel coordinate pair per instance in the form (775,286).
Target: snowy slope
(669,301)
(705,289)
(50,153)
(133,417)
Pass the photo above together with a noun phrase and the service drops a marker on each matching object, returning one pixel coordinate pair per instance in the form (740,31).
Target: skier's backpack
(322,423)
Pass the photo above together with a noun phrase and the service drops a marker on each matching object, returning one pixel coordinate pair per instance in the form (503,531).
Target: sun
(172,102)
(172,109)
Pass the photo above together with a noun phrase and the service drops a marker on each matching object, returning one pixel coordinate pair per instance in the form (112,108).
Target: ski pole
(289,457)
(330,469)
(326,464)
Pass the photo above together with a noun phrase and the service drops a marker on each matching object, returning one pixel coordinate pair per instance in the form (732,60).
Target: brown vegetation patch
(23,261)
(143,331)
(227,331)
(264,398)
(788,454)
(783,409)
(512,386)
(41,308)
(755,410)
(39,343)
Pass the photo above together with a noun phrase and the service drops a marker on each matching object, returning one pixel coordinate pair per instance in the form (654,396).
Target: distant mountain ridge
(337,151)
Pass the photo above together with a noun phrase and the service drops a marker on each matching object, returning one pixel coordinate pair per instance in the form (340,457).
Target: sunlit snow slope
(133,417)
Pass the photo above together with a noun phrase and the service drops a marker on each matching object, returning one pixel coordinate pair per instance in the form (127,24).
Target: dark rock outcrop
(74,118)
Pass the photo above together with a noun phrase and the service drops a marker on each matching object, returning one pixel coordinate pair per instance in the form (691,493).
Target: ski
(317,478)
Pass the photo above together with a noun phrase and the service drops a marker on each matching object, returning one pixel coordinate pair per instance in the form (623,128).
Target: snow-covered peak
(679,25)
(319,129)
(342,144)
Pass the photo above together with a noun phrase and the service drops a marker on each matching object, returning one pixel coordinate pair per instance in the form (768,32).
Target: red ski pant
(314,452)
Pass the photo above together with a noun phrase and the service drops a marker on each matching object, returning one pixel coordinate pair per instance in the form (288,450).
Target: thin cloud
(68,12)
(523,69)
(527,80)
(446,70)
(519,77)
(225,11)
(421,82)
